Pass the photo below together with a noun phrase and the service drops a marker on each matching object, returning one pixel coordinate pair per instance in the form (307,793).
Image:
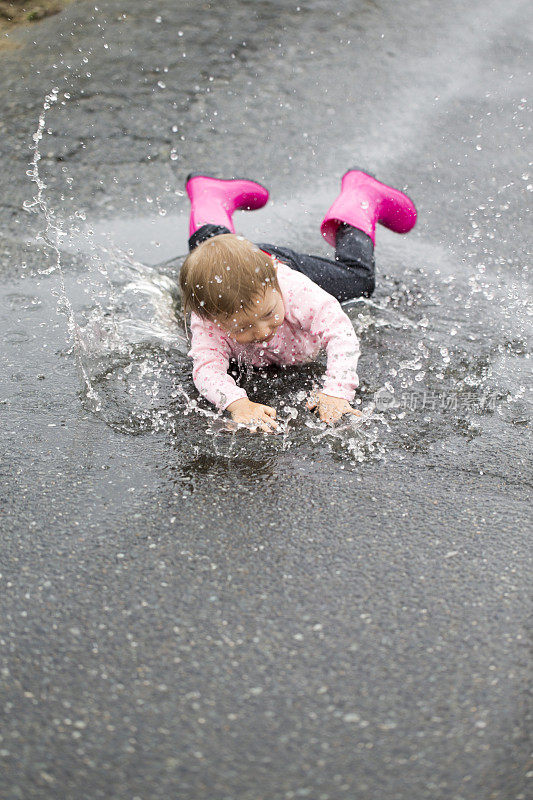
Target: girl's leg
(349,275)
(206,232)
(350,225)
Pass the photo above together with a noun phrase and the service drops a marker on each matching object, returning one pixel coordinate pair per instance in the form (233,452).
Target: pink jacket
(313,320)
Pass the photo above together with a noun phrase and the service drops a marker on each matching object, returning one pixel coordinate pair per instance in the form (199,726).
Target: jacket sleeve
(210,351)
(321,314)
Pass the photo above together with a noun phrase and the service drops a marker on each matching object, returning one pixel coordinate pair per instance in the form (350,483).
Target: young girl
(264,304)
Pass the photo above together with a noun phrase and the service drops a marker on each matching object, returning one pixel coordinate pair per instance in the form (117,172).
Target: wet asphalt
(186,621)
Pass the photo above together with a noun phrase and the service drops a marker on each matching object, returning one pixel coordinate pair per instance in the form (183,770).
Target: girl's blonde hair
(223,275)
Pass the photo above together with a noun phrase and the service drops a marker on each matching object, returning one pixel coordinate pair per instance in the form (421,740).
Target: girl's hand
(253,414)
(330,409)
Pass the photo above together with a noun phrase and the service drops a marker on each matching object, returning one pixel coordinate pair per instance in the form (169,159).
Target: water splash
(130,346)
(52,237)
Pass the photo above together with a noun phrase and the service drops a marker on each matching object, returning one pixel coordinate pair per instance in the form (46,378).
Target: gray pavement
(194,614)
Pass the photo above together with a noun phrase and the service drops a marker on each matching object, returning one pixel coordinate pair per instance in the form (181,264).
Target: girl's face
(259,324)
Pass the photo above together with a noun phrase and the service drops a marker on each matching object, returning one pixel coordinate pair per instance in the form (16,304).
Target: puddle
(430,336)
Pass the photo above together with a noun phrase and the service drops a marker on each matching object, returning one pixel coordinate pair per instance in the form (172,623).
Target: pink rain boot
(363,201)
(214,200)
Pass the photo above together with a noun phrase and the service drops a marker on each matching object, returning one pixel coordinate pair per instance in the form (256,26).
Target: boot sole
(203,175)
(366,172)
(360,169)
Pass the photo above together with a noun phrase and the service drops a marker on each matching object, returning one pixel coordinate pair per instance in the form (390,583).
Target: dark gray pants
(349,275)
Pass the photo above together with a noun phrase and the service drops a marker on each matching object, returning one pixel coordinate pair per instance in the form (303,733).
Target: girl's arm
(342,346)
(322,316)
(211,352)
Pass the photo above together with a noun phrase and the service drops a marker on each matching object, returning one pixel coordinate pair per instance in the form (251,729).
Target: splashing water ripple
(130,346)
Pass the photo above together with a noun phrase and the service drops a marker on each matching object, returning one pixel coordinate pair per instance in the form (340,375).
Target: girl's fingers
(270,411)
(269,419)
(355,411)
(265,424)
(268,428)
(255,424)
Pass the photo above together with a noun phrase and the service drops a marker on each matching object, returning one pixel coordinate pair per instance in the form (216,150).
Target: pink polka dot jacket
(314,320)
